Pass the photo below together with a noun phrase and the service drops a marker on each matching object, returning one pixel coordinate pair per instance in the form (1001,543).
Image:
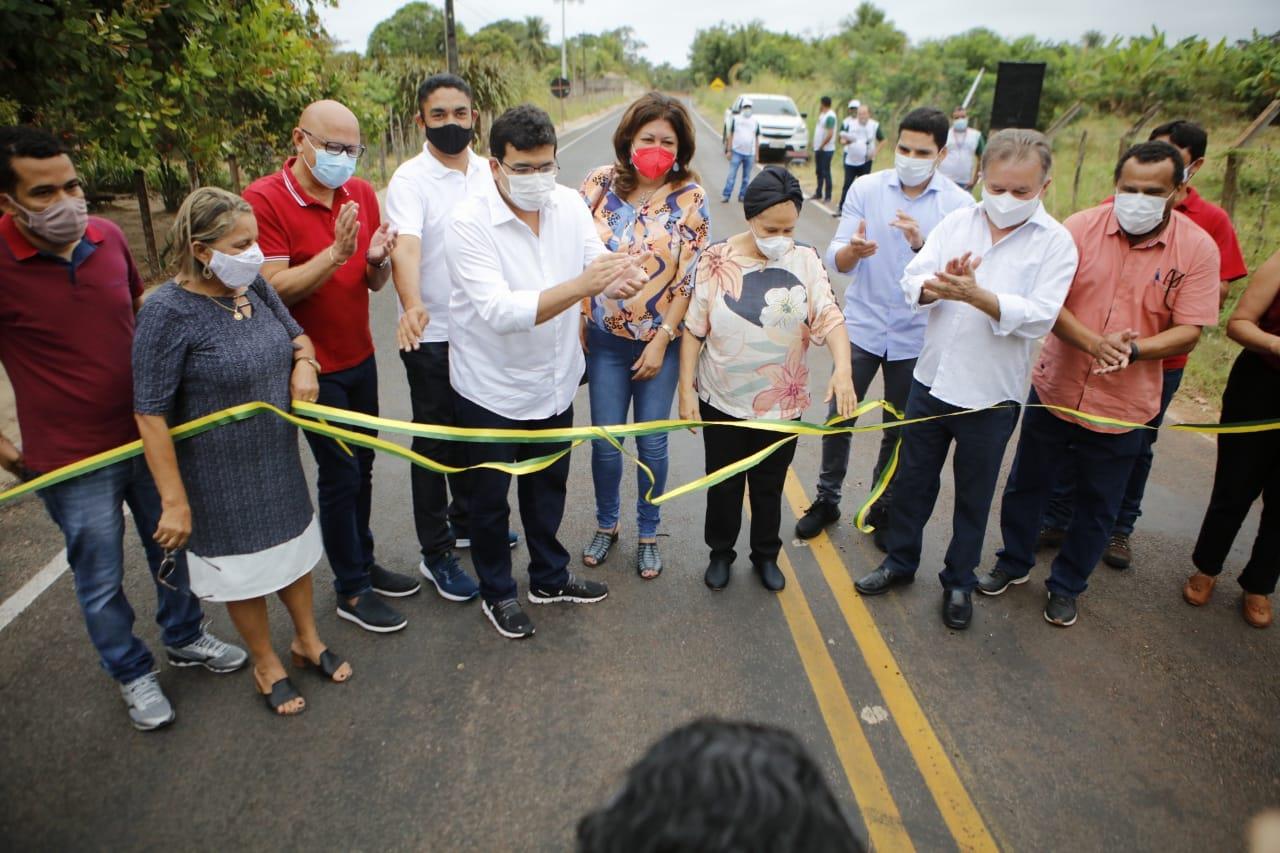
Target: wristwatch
(666,327)
(1133,351)
(386,262)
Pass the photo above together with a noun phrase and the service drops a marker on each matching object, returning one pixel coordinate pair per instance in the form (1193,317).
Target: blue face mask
(332,170)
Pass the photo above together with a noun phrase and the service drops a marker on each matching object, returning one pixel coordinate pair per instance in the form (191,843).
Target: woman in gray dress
(234,497)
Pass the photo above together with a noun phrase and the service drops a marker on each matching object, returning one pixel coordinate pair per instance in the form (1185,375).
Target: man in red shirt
(68,293)
(325,249)
(1146,284)
(1191,142)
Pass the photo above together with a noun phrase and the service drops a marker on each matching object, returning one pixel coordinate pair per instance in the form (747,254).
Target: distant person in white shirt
(824,149)
(420,201)
(744,142)
(862,138)
(992,279)
(964,150)
(522,255)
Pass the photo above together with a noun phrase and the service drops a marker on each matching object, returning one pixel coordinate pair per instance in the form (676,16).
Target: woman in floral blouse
(648,201)
(758,301)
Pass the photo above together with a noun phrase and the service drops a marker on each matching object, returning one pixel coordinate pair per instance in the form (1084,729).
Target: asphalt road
(1148,726)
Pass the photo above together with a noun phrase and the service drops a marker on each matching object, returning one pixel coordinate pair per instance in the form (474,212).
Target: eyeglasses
(549,169)
(352,151)
(170,564)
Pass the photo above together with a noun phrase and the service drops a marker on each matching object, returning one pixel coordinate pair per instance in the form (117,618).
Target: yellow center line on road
(958,811)
(884,822)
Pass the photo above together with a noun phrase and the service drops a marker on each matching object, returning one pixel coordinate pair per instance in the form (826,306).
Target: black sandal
(648,560)
(328,665)
(281,692)
(598,548)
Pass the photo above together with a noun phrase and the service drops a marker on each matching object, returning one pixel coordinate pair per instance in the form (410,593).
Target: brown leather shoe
(1199,589)
(1257,610)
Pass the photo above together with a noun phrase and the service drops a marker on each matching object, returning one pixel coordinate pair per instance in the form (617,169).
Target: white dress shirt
(970,360)
(420,201)
(498,358)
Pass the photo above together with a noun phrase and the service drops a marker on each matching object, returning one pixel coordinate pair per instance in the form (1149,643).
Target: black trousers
(822,167)
(852,173)
(1248,468)
(724,446)
(541,495)
(433,401)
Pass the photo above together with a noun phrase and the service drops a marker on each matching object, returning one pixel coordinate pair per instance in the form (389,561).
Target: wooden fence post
(233,167)
(144,211)
(1075,184)
(1061,121)
(1127,139)
(1232,173)
(193,174)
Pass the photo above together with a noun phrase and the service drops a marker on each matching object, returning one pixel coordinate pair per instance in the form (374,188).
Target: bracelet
(666,327)
(1133,352)
(386,262)
(333,259)
(308,360)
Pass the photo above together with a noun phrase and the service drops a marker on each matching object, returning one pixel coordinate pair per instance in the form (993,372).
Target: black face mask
(450,138)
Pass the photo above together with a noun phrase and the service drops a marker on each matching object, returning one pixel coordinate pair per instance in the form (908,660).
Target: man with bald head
(325,249)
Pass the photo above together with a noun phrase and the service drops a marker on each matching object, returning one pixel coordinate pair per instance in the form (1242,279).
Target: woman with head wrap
(758,301)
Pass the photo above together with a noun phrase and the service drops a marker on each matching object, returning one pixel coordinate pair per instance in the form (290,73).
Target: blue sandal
(648,560)
(597,550)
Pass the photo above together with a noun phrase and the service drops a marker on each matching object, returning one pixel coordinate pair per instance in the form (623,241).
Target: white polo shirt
(420,201)
(498,358)
(970,360)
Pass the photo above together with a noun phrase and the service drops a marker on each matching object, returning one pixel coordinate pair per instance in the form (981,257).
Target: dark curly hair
(23,141)
(714,785)
(651,107)
(523,128)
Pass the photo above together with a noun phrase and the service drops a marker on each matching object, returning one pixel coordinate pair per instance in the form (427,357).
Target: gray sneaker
(209,652)
(148,707)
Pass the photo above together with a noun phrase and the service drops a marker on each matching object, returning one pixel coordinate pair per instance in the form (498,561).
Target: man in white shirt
(522,255)
(420,201)
(744,142)
(964,151)
(992,280)
(824,149)
(884,222)
(862,138)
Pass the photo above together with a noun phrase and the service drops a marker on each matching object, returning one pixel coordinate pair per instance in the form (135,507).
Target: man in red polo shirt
(68,293)
(1146,285)
(325,249)
(1191,141)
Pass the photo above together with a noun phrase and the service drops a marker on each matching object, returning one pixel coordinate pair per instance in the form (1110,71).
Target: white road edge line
(14,605)
(586,131)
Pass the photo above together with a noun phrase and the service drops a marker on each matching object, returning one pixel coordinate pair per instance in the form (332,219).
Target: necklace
(236,308)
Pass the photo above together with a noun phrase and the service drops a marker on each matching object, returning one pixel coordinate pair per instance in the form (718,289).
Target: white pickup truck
(783,132)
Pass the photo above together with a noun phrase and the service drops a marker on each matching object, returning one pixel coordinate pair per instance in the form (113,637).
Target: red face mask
(652,162)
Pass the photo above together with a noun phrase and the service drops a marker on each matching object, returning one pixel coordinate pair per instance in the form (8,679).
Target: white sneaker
(148,707)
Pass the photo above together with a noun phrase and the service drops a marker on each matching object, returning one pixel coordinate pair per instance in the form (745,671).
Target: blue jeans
(1100,462)
(1059,513)
(89,511)
(980,438)
(344,481)
(612,390)
(738,161)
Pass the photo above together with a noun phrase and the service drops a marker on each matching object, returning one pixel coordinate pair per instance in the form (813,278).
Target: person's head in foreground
(522,156)
(772,207)
(714,785)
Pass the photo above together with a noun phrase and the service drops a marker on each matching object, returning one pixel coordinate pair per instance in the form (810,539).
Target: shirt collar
(24,250)
(1192,202)
(933,186)
(436,169)
(301,196)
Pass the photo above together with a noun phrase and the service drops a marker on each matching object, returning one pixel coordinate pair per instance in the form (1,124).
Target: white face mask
(237,271)
(912,172)
(530,192)
(1006,210)
(773,248)
(1139,213)
(746,112)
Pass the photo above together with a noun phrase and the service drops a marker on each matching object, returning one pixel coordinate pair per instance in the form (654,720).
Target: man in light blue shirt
(885,219)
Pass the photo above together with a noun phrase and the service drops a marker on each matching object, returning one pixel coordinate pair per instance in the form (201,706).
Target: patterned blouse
(674,226)
(757,319)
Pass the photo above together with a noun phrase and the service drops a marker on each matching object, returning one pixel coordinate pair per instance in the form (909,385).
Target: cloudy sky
(667,29)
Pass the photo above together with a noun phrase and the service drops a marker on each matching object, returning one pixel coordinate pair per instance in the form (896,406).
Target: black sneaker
(370,613)
(575,590)
(509,619)
(998,580)
(820,515)
(392,584)
(1060,610)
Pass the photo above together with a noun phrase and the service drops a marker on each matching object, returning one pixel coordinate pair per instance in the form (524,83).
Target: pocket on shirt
(1153,301)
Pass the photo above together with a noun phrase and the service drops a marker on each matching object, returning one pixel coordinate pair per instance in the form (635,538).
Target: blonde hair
(1018,143)
(205,216)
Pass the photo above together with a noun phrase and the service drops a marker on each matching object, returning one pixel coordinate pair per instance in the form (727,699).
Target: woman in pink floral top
(649,202)
(758,301)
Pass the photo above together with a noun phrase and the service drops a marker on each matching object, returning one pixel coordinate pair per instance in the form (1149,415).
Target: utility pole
(450,37)
(564,56)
